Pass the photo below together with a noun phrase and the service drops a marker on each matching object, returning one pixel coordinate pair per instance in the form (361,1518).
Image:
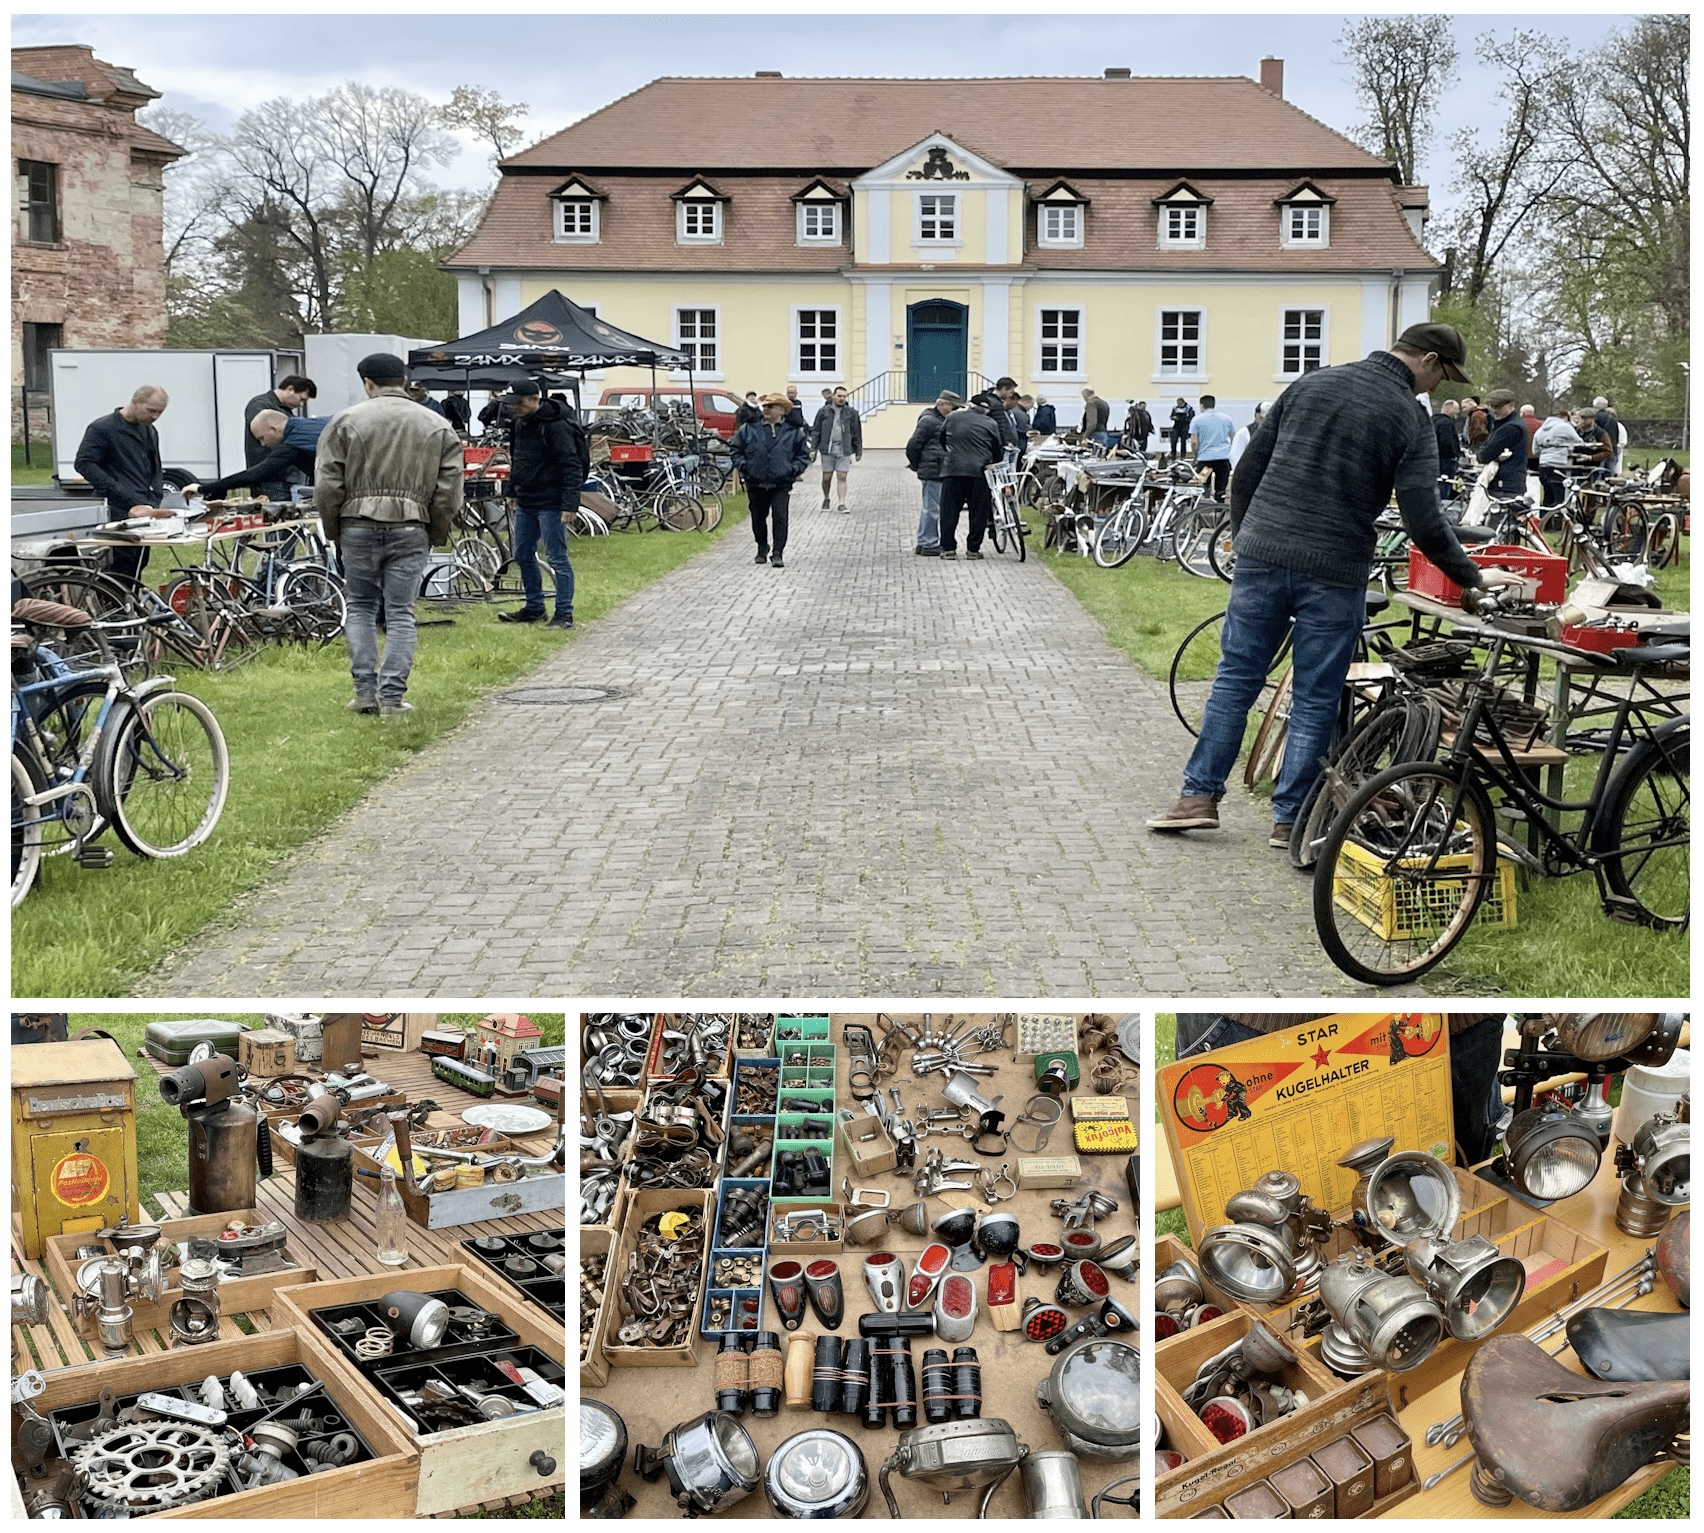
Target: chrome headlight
(1249,1261)
(955,1455)
(1094,1396)
(1599,1035)
(1378,1320)
(603,1448)
(1551,1152)
(711,1463)
(1475,1284)
(1412,1196)
(818,1473)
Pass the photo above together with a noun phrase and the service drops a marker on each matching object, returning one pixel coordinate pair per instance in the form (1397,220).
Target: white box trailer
(330,360)
(202,429)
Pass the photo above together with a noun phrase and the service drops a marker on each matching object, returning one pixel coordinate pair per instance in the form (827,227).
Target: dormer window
(577,206)
(1183,218)
(1059,217)
(1304,218)
(937,218)
(698,214)
(818,212)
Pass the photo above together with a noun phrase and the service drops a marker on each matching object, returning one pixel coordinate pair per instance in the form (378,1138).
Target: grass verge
(299,759)
(1563,945)
(40,471)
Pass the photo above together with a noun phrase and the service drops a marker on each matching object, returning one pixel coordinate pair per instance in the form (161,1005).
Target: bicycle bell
(711,1463)
(1094,1396)
(955,1455)
(417,1316)
(603,1450)
(818,1473)
(1474,1283)
(1269,1249)
(1378,1319)
(1657,1171)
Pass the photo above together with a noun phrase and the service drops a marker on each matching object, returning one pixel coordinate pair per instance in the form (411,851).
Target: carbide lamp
(955,1455)
(418,1317)
(818,1473)
(1657,1172)
(603,1449)
(1474,1283)
(1378,1319)
(711,1463)
(1269,1249)
(1410,1196)
(1551,1152)
(1094,1396)
(1361,1159)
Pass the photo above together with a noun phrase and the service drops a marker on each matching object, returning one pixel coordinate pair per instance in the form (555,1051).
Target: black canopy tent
(552,340)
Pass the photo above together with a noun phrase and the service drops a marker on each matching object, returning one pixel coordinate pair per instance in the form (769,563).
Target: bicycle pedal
(95,857)
(1619,908)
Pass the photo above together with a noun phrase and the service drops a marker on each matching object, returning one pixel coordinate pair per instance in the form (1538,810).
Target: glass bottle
(390,1222)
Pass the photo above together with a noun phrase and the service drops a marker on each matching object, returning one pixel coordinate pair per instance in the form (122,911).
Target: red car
(715,407)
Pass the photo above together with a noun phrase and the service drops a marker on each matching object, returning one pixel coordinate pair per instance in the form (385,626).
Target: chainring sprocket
(151,1466)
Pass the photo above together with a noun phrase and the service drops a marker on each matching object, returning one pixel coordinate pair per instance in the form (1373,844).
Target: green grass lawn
(40,471)
(1563,944)
(299,759)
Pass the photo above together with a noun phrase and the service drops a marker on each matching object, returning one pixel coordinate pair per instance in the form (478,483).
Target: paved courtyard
(866,774)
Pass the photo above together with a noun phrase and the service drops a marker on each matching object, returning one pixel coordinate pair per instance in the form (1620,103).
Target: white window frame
(1319,241)
(1040,372)
(1324,342)
(1161,375)
(956,214)
(1196,241)
(701,203)
(1072,241)
(702,374)
(817,205)
(564,236)
(835,374)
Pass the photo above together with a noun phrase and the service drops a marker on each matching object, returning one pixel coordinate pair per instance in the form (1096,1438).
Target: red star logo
(1320,1059)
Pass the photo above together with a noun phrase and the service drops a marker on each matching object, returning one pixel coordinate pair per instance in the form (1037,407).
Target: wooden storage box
(718,1064)
(594,1366)
(464,1465)
(1168,1249)
(806,1247)
(385,1486)
(640,1207)
(266,1052)
(237,1295)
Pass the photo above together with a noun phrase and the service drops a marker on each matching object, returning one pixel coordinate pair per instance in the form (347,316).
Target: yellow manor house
(1153,238)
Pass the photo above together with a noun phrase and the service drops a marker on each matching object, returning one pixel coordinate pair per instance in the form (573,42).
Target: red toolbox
(1599,637)
(631,452)
(1549,570)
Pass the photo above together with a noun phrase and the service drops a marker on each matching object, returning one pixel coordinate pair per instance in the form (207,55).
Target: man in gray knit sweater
(1304,500)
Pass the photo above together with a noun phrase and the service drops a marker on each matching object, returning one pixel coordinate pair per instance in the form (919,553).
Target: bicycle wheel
(1662,541)
(478,564)
(26,829)
(678,513)
(1357,758)
(64,730)
(712,476)
(712,506)
(316,597)
(1017,536)
(1644,830)
(164,775)
(1120,536)
(1404,871)
(1266,755)
(1624,530)
(1195,543)
(1221,551)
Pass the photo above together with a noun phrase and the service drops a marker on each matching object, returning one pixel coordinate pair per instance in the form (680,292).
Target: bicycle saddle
(1472,537)
(1555,1439)
(1632,1344)
(1636,655)
(49,614)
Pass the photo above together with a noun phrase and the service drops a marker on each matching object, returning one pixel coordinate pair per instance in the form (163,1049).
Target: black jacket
(1321,466)
(1138,423)
(970,441)
(1508,436)
(851,431)
(924,452)
(1448,433)
(253,452)
(458,411)
(794,417)
(747,415)
(121,461)
(771,456)
(1182,413)
(548,460)
(1097,414)
(1045,421)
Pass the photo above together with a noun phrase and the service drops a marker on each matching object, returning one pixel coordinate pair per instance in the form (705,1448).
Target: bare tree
(485,115)
(197,188)
(379,142)
(1402,65)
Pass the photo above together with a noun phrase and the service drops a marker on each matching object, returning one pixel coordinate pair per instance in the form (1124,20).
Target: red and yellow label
(79,1179)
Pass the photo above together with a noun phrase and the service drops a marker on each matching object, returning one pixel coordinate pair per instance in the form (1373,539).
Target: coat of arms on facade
(937,167)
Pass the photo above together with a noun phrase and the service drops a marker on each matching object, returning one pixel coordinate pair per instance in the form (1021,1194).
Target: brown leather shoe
(1280,836)
(1188,813)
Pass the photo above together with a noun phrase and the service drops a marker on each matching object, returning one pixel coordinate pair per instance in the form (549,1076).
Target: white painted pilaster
(1375,314)
(996,324)
(880,227)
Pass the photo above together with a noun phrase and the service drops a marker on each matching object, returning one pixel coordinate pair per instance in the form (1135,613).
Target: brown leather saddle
(1558,1440)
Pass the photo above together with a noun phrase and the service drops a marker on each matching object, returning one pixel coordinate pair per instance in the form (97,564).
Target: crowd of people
(1523,444)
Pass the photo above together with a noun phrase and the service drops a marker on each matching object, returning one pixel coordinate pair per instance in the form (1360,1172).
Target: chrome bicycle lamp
(1378,1319)
(603,1449)
(955,1455)
(818,1473)
(1094,1395)
(1551,1152)
(1595,1036)
(1269,1250)
(1656,1172)
(711,1463)
(1410,1196)
(1474,1283)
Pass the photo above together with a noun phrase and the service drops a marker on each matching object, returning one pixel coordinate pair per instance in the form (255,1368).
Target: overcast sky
(215,66)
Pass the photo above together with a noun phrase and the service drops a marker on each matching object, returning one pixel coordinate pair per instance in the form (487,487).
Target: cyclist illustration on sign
(1209,1096)
(1412,1037)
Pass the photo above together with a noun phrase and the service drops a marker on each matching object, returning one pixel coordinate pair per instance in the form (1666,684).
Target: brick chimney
(1272,75)
(1116,73)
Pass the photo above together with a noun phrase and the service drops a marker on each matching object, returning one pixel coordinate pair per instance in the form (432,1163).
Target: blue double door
(937,348)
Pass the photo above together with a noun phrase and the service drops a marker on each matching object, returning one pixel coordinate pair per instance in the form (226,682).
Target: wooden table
(343,1249)
(43,548)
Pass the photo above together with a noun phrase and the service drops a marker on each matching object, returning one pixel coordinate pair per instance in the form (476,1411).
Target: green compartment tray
(170,1042)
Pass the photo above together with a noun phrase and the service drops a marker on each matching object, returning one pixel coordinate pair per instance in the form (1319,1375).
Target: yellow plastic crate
(1390,908)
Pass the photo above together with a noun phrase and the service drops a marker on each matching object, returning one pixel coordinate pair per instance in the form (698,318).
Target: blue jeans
(530,522)
(1197,1032)
(1106,439)
(1265,600)
(382,560)
(929,523)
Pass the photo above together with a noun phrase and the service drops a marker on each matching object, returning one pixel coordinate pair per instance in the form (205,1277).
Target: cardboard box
(640,1207)
(384,1486)
(869,1147)
(1048,1171)
(463,1466)
(594,1366)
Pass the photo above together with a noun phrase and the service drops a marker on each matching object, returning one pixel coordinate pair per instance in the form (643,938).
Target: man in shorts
(838,436)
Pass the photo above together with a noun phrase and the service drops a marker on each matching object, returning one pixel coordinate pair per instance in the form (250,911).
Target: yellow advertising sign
(1296,1099)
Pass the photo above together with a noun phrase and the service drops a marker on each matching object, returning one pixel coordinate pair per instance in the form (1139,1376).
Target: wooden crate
(1212,1470)
(464,1465)
(594,1366)
(383,1487)
(1168,1249)
(640,1207)
(236,1295)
